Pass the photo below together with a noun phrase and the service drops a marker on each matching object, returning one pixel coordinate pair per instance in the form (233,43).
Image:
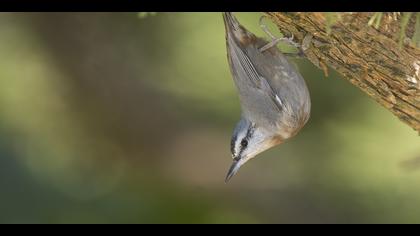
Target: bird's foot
(290,40)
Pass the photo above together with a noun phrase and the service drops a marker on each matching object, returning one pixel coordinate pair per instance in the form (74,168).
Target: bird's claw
(274,39)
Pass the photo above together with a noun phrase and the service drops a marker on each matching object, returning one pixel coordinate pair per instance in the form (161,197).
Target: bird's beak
(237,163)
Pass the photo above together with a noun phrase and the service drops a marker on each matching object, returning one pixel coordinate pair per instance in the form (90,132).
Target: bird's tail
(231,23)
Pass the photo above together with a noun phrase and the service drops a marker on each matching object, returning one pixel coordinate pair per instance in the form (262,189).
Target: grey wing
(245,66)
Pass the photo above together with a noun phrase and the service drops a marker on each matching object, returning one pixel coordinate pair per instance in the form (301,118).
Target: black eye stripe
(244,143)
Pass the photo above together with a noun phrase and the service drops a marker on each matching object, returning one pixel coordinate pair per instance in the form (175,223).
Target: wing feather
(251,72)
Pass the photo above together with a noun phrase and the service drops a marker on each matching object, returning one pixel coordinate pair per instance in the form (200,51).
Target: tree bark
(369,58)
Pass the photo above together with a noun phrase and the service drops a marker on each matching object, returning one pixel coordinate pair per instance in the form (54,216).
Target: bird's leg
(276,40)
(273,38)
(265,29)
(306,43)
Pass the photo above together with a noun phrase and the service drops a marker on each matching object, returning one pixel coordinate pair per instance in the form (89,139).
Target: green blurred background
(117,118)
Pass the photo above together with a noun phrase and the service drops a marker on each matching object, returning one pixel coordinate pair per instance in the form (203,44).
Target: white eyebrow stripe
(237,145)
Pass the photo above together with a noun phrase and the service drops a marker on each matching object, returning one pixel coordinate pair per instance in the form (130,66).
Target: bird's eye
(244,143)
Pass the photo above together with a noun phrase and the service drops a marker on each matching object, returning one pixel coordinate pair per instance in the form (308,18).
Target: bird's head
(248,140)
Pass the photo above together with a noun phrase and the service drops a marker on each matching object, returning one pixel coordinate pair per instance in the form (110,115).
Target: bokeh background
(127,118)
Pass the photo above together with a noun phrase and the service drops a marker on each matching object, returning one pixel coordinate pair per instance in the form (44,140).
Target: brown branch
(369,58)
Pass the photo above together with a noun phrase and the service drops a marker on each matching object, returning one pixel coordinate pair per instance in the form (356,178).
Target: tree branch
(369,58)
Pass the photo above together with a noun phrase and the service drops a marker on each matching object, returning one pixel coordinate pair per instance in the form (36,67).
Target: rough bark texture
(369,58)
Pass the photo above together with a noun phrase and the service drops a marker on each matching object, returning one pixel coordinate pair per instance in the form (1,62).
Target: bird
(274,98)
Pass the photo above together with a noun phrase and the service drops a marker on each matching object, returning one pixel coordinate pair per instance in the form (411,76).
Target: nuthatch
(275,102)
